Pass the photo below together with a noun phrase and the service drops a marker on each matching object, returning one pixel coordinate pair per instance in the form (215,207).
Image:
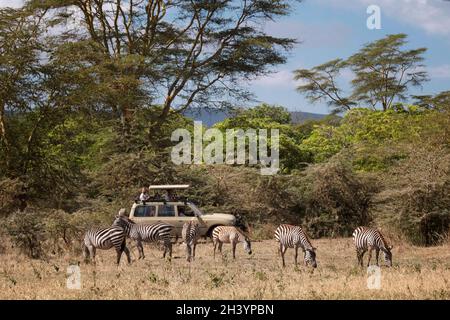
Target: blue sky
(330,29)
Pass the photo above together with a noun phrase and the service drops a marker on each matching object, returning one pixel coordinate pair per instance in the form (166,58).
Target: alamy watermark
(237,146)
(374,278)
(374,19)
(73,281)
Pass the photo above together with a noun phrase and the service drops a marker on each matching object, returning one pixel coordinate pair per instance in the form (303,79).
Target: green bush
(27,232)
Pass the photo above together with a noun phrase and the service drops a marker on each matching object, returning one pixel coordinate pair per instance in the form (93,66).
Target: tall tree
(320,83)
(19,69)
(383,73)
(181,53)
(440,101)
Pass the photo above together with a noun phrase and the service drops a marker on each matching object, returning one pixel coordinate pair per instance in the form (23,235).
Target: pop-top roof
(169,187)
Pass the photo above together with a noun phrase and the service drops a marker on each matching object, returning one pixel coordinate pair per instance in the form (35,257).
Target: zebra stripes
(286,236)
(190,234)
(227,234)
(289,236)
(367,239)
(105,238)
(146,233)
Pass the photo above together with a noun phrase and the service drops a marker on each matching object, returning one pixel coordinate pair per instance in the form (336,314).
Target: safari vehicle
(176,211)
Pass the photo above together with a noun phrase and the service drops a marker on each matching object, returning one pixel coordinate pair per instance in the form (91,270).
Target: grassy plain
(418,273)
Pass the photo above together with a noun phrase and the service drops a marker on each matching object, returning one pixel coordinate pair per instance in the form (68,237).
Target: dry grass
(418,273)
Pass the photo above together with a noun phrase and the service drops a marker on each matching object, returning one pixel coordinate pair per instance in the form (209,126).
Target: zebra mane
(245,234)
(125,219)
(385,244)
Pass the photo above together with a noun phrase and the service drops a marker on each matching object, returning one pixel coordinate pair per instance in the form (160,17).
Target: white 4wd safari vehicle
(176,211)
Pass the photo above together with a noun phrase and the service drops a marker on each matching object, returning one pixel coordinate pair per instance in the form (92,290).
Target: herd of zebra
(287,236)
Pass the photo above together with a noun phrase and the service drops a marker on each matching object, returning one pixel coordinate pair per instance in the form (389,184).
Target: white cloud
(282,78)
(441,72)
(11,3)
(433,16)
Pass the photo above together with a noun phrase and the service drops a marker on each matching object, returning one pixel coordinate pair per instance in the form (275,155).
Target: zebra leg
(283,251)
(127,252)
(91,249)
(295,255)
(359,256)
(167,248)
(140,248)
(214,254)
(188,252)
(220,248)
(234,243)
(85,252)
(119,255)
(377,254)
(362,257)
(370,256)
(193,250)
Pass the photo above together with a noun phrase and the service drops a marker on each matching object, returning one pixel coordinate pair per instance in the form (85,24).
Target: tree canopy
(383,71)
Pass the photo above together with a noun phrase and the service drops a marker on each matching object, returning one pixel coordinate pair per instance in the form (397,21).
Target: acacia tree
(320,83)
(440,101)
(19,71)
(383,73)
(36,151)
(179,54)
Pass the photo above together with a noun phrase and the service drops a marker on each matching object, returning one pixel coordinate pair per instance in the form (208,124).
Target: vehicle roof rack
(160,199)
(169,187)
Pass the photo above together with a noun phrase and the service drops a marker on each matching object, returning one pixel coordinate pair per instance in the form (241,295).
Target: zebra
(146,233)
(190,234)
(230,234)
(368,239)
(290,236)
(105,238)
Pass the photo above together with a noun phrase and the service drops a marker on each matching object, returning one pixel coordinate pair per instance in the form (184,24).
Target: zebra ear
(390,247)
(314,248)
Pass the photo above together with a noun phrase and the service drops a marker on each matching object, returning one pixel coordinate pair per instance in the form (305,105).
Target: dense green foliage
(81,130)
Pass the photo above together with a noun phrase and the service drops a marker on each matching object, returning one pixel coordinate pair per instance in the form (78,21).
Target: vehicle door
(167,213)
(145,214)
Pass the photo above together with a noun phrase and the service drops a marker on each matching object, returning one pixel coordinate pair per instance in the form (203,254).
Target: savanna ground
(418,273)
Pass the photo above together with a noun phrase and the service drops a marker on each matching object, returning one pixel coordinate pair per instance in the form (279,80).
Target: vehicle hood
(219,216)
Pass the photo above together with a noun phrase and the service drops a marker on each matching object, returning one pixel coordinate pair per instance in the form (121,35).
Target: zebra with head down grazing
(158,232)
(229,234)
(289,236)
(190,234)
(367,239)
(105,238)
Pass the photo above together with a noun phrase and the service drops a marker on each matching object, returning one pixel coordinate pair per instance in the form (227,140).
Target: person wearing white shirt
(144,195)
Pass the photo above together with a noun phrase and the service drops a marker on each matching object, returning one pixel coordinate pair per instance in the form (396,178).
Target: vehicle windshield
(196,210)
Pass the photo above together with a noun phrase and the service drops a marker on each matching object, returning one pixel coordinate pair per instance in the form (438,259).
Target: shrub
(416,197)
(11,196)
(27,232)
(337,200)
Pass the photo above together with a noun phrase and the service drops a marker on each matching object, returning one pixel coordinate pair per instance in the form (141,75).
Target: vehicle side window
(166,210)
(145,211)
(185,211)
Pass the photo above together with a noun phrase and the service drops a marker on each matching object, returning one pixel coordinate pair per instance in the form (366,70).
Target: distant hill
(211,117)
(300,116)
(207,117)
